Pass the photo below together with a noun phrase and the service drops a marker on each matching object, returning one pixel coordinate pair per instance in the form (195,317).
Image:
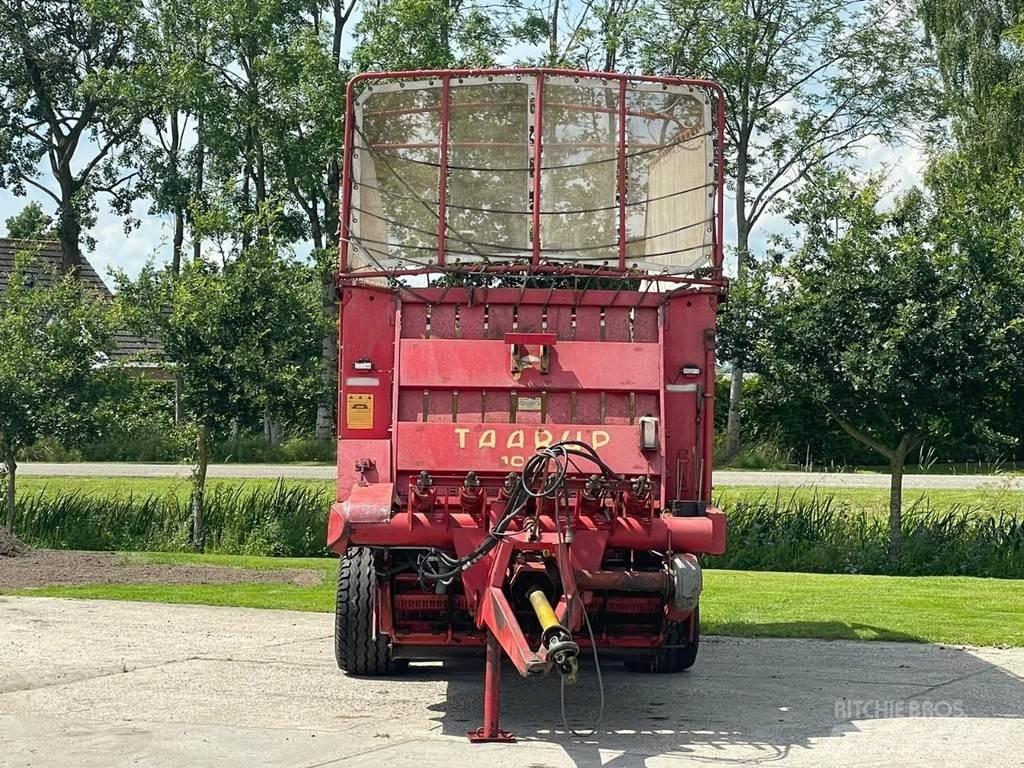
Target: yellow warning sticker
(359,411)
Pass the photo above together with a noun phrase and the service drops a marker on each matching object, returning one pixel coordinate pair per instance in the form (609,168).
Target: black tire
(356,649)
(680,652)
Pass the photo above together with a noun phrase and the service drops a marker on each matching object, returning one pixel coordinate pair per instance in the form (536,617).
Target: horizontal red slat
(486,364)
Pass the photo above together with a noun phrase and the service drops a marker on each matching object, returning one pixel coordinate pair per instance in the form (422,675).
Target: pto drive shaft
(561,650)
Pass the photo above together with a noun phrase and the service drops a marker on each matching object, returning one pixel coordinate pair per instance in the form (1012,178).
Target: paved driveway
(94,683)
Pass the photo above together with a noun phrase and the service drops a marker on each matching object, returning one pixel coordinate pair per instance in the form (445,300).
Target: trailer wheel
(357,650)
(681,652)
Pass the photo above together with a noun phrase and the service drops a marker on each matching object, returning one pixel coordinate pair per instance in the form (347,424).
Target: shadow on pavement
(762,697)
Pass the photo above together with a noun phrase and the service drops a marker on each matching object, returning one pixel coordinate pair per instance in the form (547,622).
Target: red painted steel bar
(538,152)
(419,529)
(720,160)
(490,730)
(442,182)
(511,269)
(622,174)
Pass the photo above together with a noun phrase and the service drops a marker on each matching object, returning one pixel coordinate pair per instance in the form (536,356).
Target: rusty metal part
(687,583)
(659,582)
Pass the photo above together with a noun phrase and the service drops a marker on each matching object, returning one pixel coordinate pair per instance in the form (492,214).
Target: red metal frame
(621,150)
(459,382)
(535,265)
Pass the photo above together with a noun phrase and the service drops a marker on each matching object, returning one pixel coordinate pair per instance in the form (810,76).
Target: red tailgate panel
(486,364)
(439,447)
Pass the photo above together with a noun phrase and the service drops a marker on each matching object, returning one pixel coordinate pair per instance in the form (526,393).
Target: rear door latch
(530,350)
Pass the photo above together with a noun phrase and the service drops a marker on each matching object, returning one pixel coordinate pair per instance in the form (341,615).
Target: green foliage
(282,520)
(427,34)
(53,338)
(31,223)
(806,83)
(980,50)
(62,104)
(878,321)
(245,337)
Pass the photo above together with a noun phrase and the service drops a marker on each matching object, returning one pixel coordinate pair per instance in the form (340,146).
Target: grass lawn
(954,610)
(987,500)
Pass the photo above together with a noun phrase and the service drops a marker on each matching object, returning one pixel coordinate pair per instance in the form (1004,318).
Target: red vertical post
(538,149)
(622,173)
(708,412)
(490,731)
(346,179)
(442,182)
(720,181)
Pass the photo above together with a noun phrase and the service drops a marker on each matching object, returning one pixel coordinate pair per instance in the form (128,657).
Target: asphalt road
(722,477)
(95,683)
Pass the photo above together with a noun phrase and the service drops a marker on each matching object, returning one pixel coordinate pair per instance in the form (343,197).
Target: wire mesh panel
(579,208)
(534,167)
(670,177)
(488,190)
(395,160)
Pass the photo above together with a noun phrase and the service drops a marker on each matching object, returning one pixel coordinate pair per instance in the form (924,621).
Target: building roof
(127,345)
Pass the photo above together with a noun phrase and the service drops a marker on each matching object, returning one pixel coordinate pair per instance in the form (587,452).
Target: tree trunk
(896,508)
(197,194)
(553,56)
(897,461)
(176,248)
(271,429)
(179,209)
(70,229)
(199,488)
(733,426)
(179,239)
(12,467)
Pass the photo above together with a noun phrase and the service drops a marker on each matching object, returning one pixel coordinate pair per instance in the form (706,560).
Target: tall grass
(820,535)
(282,520)
(771,533)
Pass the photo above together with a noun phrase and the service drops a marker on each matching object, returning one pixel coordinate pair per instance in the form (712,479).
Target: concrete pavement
(722,477)
(96,683)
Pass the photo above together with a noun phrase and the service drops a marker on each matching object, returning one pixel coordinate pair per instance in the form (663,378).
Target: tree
(53,336)
(428,34)
(807,84)
(903,325)
(31,224)
(244,337)
(60,64)
(980,50)
(277,134)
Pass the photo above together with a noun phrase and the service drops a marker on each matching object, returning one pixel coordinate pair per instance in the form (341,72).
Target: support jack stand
(489,731)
